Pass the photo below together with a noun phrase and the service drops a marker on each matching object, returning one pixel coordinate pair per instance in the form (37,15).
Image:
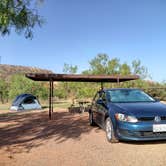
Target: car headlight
(126,118)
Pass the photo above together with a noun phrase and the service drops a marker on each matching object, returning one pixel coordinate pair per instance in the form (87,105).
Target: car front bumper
(141,131)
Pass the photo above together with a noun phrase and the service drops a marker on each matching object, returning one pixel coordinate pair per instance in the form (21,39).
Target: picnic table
(83,105)
(79,106)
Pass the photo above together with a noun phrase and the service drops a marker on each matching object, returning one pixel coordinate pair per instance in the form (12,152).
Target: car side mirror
(157,99)
(100,101)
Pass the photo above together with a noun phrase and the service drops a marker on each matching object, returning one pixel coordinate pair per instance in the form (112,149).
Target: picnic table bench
(83,105)
(79,106)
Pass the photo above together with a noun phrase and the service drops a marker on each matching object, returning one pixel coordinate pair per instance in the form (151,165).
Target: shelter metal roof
(80,77)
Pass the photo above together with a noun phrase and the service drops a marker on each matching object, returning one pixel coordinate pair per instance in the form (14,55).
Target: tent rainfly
(25,102)
(76,78)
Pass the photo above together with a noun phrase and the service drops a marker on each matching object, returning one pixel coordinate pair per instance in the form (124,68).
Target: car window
(95,98)
(98,96)
(129,95)
(103,96)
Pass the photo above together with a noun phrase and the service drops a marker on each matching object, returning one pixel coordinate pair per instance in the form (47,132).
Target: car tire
(110,131)
(91,121)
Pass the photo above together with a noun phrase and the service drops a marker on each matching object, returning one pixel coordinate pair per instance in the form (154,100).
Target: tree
(125,69)
(99,65)
(113,66)
(69,69)
(68,89)
(19,15)
(138,69)
(20,84)
(3,90)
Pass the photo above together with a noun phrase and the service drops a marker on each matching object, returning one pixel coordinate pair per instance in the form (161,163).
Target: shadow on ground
(154,142)
(25,131)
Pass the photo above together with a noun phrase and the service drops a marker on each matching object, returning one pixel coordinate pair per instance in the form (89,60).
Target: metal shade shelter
(80,77)
(76,78)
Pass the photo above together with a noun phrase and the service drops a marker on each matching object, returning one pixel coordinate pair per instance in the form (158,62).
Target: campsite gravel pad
(30,139)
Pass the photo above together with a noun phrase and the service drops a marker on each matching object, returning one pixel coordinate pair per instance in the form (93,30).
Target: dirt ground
(30,139)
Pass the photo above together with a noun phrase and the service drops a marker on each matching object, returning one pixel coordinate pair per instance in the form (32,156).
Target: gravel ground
(30,139)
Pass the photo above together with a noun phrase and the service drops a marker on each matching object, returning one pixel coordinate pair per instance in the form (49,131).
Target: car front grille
(163,118)
(142,134)
(150,134)
(142,119)
(145,119)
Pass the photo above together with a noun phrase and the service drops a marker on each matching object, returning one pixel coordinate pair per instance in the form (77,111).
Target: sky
(75,31)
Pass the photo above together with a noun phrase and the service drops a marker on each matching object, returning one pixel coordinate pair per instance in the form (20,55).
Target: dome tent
(25,102)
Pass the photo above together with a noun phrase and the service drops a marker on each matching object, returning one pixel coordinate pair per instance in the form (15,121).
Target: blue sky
(77,30)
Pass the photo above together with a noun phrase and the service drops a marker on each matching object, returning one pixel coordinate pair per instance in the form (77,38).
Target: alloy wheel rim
(109,130)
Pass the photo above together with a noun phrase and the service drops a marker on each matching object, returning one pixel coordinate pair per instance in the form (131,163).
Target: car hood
(140,109)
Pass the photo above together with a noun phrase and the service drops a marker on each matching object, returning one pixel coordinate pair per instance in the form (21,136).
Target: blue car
(128,114)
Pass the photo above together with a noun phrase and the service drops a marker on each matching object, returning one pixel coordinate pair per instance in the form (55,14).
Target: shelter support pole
(51,99)
(102,85)
(52,96)
(118,82)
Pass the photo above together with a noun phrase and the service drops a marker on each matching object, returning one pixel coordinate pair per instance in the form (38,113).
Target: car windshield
(128,95)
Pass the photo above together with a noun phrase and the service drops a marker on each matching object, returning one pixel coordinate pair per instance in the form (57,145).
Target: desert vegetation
(14,82)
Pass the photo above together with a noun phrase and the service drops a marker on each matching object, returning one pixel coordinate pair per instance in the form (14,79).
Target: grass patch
(57,104)
(4,106)
(62,105)
(8,114)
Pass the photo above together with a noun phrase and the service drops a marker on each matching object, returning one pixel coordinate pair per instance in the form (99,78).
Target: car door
(101,109)
(95,107)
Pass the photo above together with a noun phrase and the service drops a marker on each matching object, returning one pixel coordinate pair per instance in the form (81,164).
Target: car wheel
(110,132)
(91,121)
